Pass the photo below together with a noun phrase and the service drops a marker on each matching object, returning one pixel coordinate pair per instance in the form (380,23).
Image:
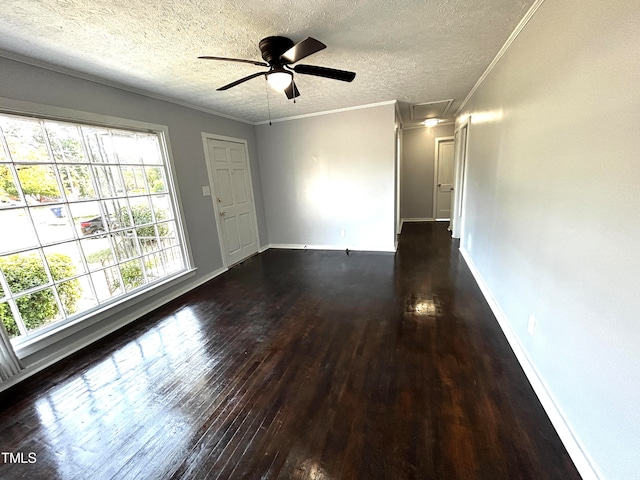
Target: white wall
(416,181)
(328,173)
(552,214)
(26,83)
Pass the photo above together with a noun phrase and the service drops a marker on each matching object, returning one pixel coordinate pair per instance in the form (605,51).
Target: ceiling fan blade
(292,91)
(302,49)
(333,73)
(252,62)
(242,80)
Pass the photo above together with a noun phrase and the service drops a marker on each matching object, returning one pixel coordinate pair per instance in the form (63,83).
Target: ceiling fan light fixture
(279,79)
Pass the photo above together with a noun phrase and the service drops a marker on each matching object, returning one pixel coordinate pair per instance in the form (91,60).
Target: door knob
(222,214)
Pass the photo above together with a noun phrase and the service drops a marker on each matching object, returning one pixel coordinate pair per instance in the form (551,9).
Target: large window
(87,217)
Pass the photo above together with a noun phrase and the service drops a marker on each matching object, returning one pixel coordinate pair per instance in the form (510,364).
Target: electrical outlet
(343,233)
(531,327)
(206,191)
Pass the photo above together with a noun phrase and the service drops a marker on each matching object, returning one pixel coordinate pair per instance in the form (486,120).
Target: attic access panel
(438,109)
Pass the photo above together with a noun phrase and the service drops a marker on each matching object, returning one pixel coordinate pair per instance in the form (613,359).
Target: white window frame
(28,344)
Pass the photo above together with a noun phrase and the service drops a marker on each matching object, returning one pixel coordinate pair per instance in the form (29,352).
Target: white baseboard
(579,456)
(417,219)
(142,309)
(296,246)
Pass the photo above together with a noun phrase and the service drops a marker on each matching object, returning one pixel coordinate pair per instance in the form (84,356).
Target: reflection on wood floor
(297,364)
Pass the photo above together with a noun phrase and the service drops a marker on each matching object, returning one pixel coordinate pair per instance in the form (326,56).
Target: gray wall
(417,170)
(328,173)
(552,213)
(23,82)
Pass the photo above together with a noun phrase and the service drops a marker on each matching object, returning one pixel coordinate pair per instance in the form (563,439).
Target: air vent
(422,111)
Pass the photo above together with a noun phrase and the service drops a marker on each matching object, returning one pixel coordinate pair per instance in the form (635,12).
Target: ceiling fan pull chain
(266,84)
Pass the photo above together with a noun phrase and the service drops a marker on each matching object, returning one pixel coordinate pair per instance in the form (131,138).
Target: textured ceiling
(413,51)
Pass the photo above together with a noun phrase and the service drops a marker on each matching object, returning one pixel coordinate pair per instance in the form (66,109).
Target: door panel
(232,234)
(236,156)
(240,187)
(444,178)
(233,200)
(223,188)
(245,229)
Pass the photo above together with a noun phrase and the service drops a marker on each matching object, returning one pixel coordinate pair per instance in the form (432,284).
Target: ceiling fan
(278,54)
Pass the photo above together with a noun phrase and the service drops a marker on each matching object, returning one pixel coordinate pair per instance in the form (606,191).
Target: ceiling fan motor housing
(279,53)
(273,47)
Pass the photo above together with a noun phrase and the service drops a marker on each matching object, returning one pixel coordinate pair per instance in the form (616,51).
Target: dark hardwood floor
(296,364)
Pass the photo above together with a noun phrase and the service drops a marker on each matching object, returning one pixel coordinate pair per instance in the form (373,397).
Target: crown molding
(502,51)
(327,112)
(120,86)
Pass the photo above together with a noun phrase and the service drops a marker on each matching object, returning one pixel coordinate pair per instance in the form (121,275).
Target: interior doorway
(232,195)
(443,178)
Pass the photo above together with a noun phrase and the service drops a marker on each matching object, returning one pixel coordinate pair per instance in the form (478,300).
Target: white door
(233,199)
(443,178)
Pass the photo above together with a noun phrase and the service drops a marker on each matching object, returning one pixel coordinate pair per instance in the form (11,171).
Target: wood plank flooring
(296,365)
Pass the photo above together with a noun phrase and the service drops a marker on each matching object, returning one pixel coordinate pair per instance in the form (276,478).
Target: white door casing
(443,178)
(232,196)
(461,141)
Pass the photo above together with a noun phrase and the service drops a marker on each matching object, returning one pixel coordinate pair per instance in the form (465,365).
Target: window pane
(154,266)
(162,207)
(107,284)
(52,224)
(18,222)
(109,181)
(98,252)
(38,308)
(64,260)
(38,183)
(168,234)
(25,139)
(132,275)
(148,145)
(86,299)
(9,194)
(118,213)
(126,147)
(6,317)
(76,181)
(141,211)
(124,244)
(66,142)
(98,141)
(134,180)
(76,295)
(147,238)
(23,271)
(156,180)
(173,260)
(87,218)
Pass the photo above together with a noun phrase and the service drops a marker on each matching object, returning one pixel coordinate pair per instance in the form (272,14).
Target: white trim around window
(124,181)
